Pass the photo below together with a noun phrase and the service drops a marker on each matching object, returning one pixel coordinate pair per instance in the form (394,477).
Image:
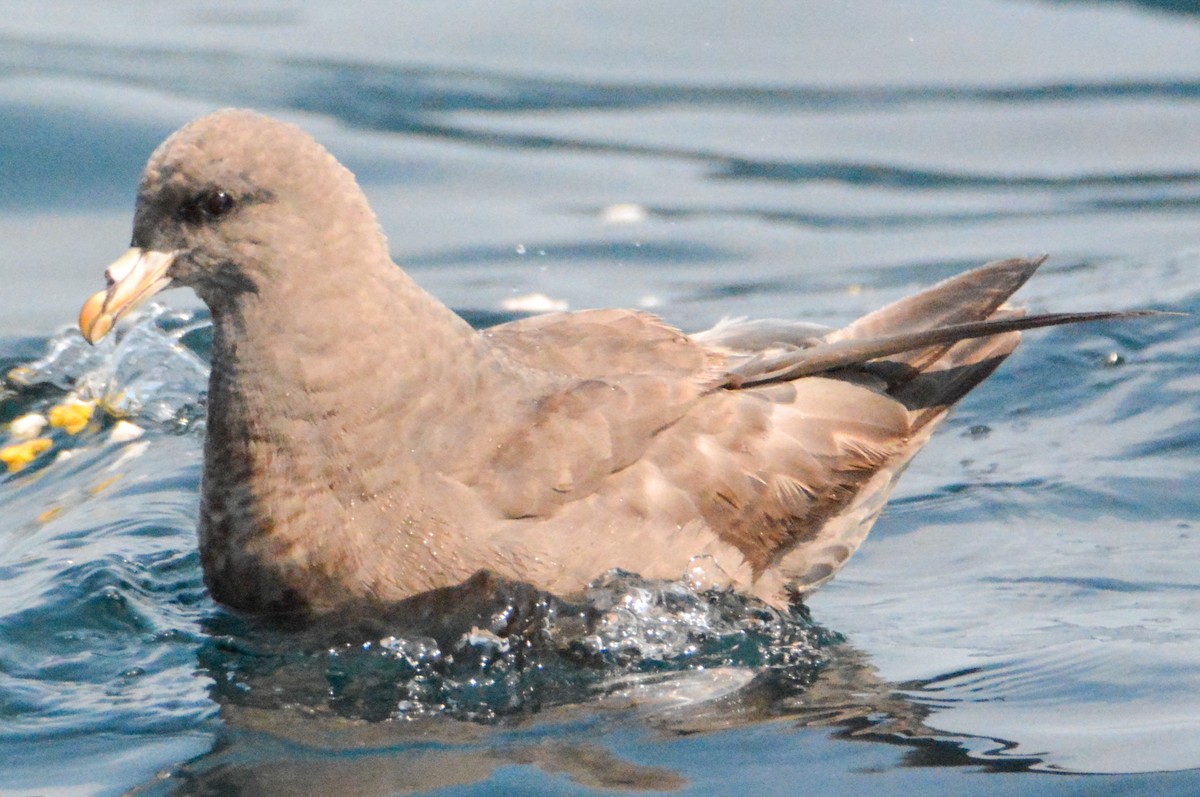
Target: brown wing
(771,465)
(599,386)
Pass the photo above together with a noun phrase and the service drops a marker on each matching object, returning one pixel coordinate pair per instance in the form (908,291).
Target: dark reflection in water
(384,96)
(1171,6)
(494,674)
(278,750)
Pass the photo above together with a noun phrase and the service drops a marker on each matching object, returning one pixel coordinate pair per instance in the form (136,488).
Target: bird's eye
(217,204)
(208,206)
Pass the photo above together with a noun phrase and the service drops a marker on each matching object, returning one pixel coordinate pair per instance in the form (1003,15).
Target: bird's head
(224,203)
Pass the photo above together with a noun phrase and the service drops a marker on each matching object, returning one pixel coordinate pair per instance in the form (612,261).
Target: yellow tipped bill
(132,279)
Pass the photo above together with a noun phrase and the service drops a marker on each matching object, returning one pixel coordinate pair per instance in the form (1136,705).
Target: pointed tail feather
(856,351)
(971,296)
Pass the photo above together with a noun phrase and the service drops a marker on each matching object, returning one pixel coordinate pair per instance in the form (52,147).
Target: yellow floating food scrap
(49,514)
(19,455)
(73,416)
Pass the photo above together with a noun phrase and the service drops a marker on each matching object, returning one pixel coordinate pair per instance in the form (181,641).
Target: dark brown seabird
(365,444)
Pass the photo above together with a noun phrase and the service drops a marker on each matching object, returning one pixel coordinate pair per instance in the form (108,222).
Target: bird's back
(682,449)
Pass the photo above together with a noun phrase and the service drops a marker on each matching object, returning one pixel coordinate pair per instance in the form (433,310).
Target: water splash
(626,633)
(143,370)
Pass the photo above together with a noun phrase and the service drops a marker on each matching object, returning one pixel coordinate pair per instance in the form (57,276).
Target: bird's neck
(325,402)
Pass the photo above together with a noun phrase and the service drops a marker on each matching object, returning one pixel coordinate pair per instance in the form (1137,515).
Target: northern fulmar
(365,444)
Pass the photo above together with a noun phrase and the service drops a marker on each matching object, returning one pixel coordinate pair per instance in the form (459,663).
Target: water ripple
(426,101)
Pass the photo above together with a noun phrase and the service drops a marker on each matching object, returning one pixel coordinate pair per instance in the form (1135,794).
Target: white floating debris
(533,303)
(28,426)
(624,213)
(649,301)
(125,431)
(482,637)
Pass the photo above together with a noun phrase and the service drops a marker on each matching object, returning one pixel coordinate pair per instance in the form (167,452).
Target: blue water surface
(1025,619)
